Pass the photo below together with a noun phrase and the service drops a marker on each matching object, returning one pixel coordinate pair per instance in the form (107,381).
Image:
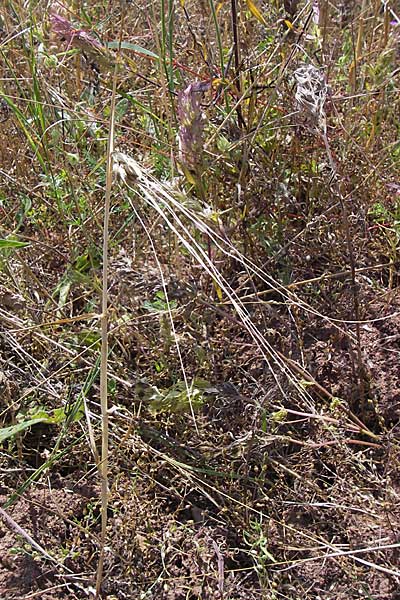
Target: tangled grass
(199,299)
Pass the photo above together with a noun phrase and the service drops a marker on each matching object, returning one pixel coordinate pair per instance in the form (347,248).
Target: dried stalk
(104,346)
(311,95)
(104,332)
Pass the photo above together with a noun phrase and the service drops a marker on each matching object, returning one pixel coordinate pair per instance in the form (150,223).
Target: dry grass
(252,309)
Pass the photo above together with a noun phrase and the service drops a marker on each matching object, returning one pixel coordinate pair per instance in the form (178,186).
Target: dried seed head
(316,12)
(311,93)
(126,168)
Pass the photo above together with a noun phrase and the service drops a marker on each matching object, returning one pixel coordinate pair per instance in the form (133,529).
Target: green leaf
(7,432)
(159,304)
(40,416)
(134,47)
(12,244)
(178,399)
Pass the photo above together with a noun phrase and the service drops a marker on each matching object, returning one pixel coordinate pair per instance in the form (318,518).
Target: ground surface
(254,306)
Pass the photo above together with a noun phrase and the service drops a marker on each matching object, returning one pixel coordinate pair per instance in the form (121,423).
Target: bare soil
(323,498)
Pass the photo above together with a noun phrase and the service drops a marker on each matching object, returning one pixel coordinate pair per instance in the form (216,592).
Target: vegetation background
(248,247)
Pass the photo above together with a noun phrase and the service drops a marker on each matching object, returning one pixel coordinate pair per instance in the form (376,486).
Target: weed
(199,236)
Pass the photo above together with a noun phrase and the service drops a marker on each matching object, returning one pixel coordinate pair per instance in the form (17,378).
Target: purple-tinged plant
(76,38)
(191,124)
(395,187)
